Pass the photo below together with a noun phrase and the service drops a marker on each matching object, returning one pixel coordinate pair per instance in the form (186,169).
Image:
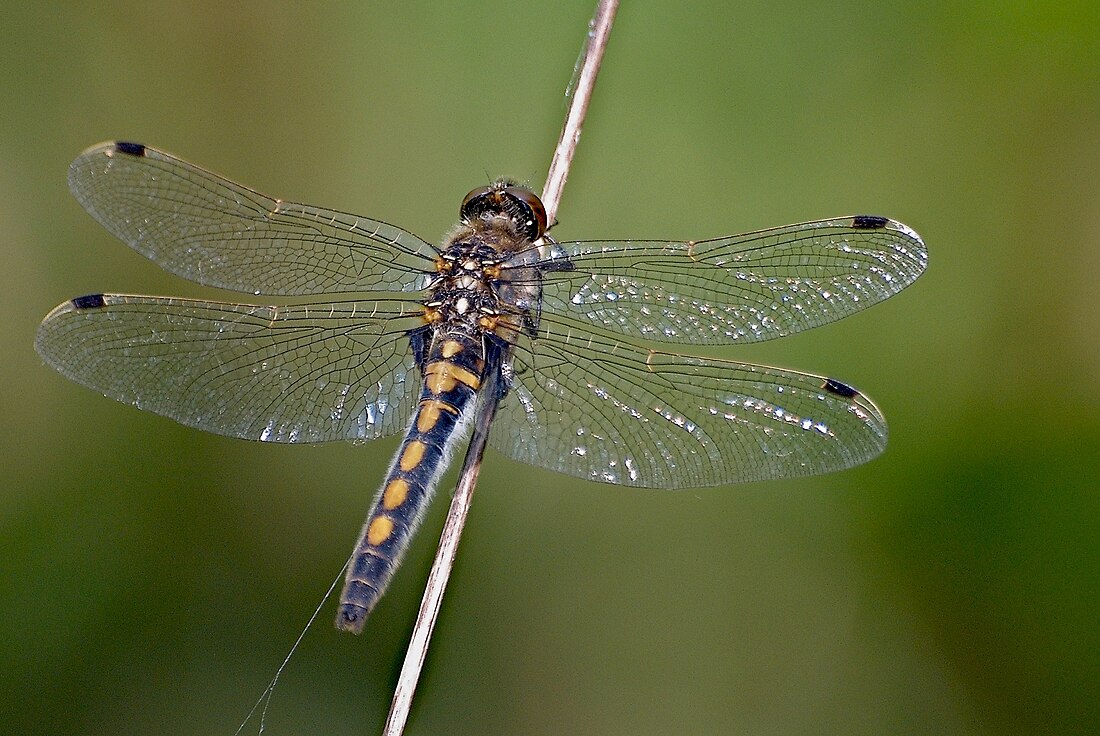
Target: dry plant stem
(599,31)
(444,558)
(598,34)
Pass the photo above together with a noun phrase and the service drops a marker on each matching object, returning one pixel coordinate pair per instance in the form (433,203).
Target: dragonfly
(378,332)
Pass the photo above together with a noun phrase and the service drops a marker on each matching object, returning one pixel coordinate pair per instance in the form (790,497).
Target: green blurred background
(154,576)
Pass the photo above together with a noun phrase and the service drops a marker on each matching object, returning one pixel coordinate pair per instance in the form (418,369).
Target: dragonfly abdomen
(453,372)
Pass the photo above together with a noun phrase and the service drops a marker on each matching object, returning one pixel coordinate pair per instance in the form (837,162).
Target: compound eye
(534,211)
(470,205)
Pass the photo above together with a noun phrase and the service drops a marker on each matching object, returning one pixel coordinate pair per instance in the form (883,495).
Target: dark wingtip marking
(834,386)
(869,222)
(91,301)
(134,149)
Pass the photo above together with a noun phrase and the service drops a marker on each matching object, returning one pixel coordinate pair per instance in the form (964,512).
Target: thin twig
(444,558)
(599,31)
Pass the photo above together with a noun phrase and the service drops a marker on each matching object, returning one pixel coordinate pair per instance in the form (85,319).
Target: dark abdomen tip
(351,618)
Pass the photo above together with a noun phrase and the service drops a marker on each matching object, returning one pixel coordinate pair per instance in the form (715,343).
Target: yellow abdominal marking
(413,454)
(430,411)
(395,494)
(451,348)
(442,377)
(379,530)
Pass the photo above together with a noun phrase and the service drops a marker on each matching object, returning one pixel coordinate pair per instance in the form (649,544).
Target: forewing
(212,231)
(608,411)
(303,373)
(743,288)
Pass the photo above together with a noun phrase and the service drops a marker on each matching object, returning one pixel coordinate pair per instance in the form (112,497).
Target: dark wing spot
(834,386)
(869,222)
(91,301)
(556,264)
(134,149)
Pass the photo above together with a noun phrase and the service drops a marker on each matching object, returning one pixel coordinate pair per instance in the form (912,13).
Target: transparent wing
(210,230)
(303,373)
(605,410)
(743,288)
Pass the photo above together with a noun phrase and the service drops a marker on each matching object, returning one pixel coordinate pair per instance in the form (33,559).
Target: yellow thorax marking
(413,454)
(442,376)
(501,325)
(380,529)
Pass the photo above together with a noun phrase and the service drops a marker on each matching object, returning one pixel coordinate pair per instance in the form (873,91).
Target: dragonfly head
(506,199)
